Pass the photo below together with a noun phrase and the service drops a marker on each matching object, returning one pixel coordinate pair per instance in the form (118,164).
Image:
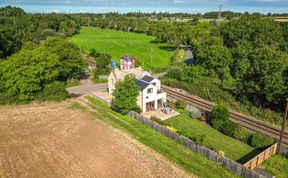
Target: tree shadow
(250,155)
(167,48)
(155,41)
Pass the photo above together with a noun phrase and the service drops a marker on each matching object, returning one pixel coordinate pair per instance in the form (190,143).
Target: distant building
(153,18)
(150,96)
(127,62)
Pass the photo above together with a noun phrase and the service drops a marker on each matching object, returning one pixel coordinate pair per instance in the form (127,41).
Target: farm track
(245,121)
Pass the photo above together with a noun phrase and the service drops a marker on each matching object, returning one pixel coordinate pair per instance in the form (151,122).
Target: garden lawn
(276,165)
(117,43)
(174,151)
(233,149)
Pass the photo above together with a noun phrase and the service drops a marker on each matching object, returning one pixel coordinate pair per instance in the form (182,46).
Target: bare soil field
(51,140)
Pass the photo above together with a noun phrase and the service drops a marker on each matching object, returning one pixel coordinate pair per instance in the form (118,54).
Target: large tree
(71,61)
(26,73)
(125,95)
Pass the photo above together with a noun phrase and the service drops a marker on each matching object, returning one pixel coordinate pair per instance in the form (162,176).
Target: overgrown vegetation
(220,121)
(39,72)
(174,151)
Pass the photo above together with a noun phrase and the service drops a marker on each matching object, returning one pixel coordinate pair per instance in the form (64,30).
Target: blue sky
(192,6)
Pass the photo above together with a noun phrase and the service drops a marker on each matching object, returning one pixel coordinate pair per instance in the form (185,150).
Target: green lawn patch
(174,151)
(233,149)
(276,165)
(117,43)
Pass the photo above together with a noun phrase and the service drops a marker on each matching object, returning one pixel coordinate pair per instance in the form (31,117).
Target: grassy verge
(276,165)
(174,151)
(99,80)
(232,148)
(208,89)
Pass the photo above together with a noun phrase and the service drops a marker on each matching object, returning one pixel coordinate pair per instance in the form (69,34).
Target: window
(150,90)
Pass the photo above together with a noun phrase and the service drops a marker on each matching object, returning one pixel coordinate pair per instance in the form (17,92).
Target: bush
(53,92)
(171,128)
(229,128)
(157,120)
(172,104)
(181,104)
(219,116)
(198,140)
(241,134)
(175,73)
(259,140)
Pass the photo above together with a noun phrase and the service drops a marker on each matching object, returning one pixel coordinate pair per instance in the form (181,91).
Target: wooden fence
(206,152)
(261,157)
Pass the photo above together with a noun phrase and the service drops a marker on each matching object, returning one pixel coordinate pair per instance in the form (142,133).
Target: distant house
(150,96)
(127,62)
(153,18)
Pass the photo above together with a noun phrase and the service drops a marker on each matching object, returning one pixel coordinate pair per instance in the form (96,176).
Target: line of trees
(18,27)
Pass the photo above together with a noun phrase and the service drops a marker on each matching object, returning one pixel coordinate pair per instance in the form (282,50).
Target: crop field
(117,43)
(61,140)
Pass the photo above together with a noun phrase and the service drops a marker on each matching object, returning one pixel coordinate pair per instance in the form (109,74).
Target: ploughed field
(54,140)
(117,43)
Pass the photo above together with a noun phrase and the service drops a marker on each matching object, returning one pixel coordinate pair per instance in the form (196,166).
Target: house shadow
(249,156)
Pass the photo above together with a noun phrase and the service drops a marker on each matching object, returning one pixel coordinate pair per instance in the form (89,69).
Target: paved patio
(161,115)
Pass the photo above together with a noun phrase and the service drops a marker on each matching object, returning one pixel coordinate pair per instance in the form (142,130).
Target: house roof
(137,72)
(148,78)
(127,57)
(142,84)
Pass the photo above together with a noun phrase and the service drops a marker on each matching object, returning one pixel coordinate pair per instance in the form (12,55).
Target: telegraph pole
(283,127)
(219,15)
(151,57)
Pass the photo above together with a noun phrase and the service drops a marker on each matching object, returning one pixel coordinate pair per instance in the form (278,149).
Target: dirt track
(51,140)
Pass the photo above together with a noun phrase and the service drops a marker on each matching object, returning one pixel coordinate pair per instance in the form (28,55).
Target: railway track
(243,120)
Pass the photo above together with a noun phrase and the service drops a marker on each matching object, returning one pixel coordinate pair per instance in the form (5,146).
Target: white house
(150,97)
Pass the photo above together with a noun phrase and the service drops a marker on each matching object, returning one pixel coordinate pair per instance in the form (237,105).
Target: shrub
(172,104)
(171,128)
(221,153)
(175,73)
(229,128)
(181,104)
(53,92)
(198,140)
(157,120)
(219,116)
(259,140)
(241,134)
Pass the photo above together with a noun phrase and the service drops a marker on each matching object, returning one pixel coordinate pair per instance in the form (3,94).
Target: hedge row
(220,121)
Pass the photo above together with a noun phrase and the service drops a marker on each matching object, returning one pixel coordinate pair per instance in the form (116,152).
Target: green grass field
(276,165)
(117,43)
(174,151)
(233,149)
